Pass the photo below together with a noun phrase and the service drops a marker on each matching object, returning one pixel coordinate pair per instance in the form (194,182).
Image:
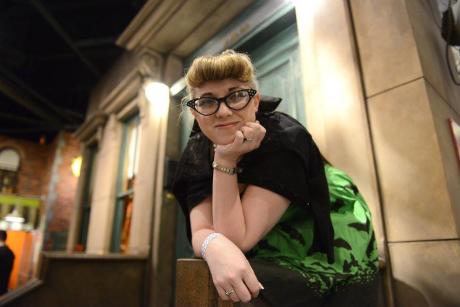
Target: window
(128,168)
(87,194)
(9,165)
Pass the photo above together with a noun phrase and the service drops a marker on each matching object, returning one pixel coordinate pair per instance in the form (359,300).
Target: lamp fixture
(157,94)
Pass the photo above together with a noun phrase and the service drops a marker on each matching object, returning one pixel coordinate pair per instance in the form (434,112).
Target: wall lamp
(157,94)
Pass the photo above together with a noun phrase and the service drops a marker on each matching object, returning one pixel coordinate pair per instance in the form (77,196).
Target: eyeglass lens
(236,101)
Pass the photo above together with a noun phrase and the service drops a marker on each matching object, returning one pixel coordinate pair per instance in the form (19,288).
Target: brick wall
(33,165)
(61,189)
(45,170)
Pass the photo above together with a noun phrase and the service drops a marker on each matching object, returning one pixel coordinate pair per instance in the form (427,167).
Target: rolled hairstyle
(227,65)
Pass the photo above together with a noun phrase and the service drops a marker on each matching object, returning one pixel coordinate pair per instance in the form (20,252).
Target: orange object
(20,242)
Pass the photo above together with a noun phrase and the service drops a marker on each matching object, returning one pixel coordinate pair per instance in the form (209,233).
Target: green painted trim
(117,224)
(289,7)
(287,40)
(119,214)
(279,52)
(7,200)
(84,226)
(245,18)
(92,152)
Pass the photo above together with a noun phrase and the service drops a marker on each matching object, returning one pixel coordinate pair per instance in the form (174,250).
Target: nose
(223,110)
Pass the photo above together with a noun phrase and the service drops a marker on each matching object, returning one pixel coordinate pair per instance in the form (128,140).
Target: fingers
(248,134)
(221,292)
(237,292)
(242,292)
(253,132)
(247,139)
(228,292)
(239,137)
(252,284)
(239,287)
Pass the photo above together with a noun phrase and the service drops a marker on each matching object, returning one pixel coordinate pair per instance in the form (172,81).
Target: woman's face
(221,126)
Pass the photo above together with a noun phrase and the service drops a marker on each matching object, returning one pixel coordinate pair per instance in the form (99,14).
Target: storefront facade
(365,77)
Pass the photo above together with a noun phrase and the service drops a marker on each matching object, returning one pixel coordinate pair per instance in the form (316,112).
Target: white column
(103,202)
(148,188)
(75,220)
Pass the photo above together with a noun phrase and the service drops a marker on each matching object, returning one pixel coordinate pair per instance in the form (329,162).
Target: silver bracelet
(206,242)
(226,170)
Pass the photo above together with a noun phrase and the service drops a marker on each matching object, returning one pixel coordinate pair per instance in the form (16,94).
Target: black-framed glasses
(236,100)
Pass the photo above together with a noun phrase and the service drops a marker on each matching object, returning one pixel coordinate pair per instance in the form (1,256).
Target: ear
(256,101)
(194,113)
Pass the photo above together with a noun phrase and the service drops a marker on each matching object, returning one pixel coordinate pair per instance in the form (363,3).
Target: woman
(252,185)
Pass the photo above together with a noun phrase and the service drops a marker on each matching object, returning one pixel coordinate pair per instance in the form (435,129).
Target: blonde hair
(227,65)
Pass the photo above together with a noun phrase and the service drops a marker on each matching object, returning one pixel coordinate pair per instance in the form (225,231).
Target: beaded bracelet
(206,241)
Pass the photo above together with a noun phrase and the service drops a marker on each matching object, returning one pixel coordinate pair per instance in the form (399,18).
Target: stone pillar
(335,103)
(149,153)
(75,220)
(103,201)
(410,96)
(336,110)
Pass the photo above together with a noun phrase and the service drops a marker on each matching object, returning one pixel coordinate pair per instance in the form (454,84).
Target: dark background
(52,53)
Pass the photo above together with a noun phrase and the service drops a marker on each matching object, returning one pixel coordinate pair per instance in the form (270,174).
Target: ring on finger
(229,292)
(245,139)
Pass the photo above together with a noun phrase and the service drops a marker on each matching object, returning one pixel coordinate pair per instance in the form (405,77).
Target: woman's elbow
(246,246)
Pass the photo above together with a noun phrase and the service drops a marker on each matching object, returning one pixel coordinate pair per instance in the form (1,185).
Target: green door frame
(119,208)
(85,204)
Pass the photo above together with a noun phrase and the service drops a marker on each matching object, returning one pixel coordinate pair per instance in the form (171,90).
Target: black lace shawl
(288,162)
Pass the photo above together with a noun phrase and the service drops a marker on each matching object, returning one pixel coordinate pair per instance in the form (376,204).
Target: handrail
(194,286)
(11,296)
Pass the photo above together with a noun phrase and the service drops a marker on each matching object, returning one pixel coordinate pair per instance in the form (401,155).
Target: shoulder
(285,133)
(280,122)
(6,251)
(192,180)
(195,154)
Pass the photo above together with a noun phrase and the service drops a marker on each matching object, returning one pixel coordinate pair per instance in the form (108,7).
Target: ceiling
(52,53)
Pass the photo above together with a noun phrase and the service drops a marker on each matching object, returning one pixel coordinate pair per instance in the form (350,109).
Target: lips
(227,125)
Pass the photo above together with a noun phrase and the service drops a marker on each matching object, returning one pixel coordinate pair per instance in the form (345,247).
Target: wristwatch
(226,170)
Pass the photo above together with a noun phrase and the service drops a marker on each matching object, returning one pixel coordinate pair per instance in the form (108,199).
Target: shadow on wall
(407,295)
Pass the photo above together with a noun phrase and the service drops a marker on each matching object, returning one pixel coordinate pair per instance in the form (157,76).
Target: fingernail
(261,287)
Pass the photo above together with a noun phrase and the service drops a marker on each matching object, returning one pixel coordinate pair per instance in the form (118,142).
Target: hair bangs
(227,65)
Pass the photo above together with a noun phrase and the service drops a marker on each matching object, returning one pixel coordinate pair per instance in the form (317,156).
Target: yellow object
(76,166)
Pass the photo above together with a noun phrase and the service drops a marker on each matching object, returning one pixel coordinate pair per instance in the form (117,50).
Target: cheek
(251,115)
(204,123)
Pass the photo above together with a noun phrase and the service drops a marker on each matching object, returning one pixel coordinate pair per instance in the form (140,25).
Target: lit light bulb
(157,94)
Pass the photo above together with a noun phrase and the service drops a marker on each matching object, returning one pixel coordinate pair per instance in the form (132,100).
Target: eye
(205,102)
(237,96)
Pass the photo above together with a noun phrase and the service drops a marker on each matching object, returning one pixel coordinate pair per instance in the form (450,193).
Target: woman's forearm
(227,211)
(198,238)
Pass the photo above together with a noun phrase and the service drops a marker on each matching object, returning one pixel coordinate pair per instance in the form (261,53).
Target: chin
(223,140)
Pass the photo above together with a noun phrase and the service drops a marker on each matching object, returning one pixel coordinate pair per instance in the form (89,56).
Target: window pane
(9,160)
(125,193)
(131,156)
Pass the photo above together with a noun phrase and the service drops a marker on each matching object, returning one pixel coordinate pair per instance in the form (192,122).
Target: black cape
(287,162)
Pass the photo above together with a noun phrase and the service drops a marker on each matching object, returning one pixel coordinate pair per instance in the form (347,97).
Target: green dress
(289,243)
